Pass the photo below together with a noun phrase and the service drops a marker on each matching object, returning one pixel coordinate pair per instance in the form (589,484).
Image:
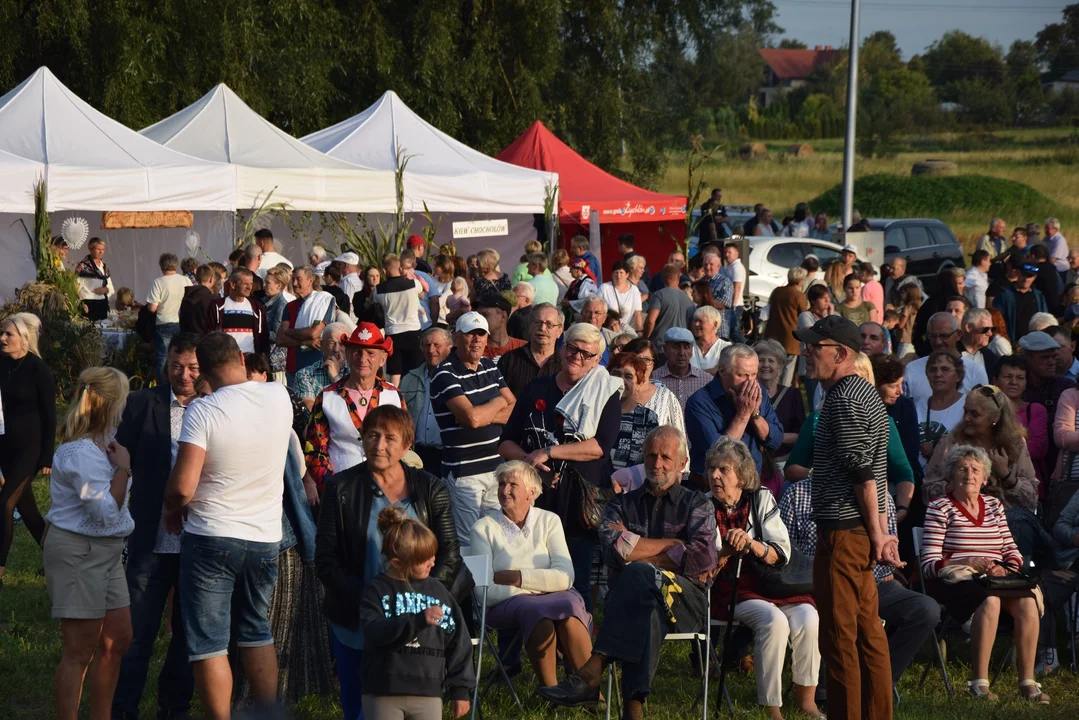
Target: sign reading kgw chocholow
(481,228)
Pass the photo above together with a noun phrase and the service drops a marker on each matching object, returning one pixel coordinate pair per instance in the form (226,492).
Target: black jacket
(146,431)
(341,540)
(403,655)
(195,310)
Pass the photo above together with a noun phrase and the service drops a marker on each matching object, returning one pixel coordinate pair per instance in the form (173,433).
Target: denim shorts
(220,576)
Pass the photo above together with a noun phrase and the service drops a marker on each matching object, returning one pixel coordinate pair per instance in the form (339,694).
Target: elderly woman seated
(965,534)
(533,575)
(748,521)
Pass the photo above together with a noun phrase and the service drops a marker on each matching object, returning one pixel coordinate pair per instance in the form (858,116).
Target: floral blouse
(628,449)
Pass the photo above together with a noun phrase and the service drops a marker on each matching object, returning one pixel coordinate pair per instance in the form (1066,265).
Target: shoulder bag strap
(779,397)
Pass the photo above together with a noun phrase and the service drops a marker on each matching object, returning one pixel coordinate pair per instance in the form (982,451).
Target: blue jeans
(163,334)
(348,661)
(581,551)
(150,577)
(218,577)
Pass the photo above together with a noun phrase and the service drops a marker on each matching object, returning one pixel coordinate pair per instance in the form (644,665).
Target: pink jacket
(1033,418)
(1065,433)
(873,292)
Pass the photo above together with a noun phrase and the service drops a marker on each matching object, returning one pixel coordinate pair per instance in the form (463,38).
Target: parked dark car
(928,245)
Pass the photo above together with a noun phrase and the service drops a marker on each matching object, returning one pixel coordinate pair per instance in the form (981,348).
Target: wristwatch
(754,416)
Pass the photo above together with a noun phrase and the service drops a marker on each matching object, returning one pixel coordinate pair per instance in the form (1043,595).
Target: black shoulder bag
(795,577)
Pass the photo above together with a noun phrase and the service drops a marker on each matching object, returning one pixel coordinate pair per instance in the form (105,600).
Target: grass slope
(30,649)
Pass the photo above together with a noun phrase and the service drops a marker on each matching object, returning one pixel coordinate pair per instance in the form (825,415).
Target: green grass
(30,649)
(1043,159)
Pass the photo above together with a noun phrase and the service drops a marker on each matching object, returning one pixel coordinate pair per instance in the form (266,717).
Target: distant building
(1069,81)
(790,69)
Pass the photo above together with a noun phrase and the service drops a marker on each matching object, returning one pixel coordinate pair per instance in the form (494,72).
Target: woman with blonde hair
(28,393)
(88,521)
(834,278)
(489,278)
(562,277)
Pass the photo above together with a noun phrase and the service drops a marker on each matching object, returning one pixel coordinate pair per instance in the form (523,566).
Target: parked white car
(771,258)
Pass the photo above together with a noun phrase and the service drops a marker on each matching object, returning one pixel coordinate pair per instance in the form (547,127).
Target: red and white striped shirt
(951,532)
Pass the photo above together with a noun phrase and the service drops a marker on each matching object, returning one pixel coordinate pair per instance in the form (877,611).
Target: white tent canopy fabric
(92,162)
(221,127)
(17,187)
(445,174)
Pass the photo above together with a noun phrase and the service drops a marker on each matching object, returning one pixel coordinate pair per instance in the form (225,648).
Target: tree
(1058,44)
(792,44)
(958,56)
(1024,82)
(900,99)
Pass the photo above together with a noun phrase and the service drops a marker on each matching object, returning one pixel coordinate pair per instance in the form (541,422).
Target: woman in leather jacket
(348,545)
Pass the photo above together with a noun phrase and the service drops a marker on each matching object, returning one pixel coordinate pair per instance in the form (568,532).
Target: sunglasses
(573,350)
(990,391)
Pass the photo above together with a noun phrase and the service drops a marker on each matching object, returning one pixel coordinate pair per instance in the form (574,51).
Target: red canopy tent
(655,220)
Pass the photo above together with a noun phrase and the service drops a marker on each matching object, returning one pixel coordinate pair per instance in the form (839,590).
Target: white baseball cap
(846,248)
(472,321)
(349,258)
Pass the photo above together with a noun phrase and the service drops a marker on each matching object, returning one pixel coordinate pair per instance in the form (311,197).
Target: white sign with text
(481,228)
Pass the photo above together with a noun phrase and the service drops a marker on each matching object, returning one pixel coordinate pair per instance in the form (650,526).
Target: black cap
(833,327)
(494,300)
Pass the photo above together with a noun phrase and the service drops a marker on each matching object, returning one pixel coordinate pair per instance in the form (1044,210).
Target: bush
(928,196)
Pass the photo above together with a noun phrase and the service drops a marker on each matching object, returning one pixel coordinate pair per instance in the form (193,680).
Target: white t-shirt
(269,260)
(916,383)
(702,361)
(244,430)
(167,293)
(935,424)
(736,271)
(624,303)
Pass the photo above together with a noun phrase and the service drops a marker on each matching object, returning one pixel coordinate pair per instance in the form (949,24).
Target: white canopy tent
(93,164)
(222,127)
(446,174)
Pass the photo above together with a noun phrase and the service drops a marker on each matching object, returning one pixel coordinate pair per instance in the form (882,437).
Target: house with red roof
(786,70)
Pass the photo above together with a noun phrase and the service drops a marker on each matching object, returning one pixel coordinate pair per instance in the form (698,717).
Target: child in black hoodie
(415,638)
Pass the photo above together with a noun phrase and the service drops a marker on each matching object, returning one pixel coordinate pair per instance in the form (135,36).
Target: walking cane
(727,641)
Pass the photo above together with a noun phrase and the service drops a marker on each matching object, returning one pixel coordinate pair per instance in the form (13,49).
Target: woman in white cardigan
(533,575)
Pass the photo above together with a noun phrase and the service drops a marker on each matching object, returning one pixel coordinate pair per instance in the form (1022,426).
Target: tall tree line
(481,70)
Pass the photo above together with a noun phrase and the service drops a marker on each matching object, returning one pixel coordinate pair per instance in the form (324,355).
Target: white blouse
(625,303)
(706,362)
(79,489)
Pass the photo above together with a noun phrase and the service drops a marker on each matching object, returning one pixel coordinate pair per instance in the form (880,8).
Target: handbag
(1016,583)
(795,577)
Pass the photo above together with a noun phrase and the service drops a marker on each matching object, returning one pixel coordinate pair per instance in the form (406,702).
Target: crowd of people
(327,442)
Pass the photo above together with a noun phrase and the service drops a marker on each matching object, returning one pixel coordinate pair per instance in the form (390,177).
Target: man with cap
(1019,300)
(270,256)
(1045,380)
(850,486)
(333,436)
(734,404)
(471,402)
(496,310)
(848,257)
(418,245)
(943,334)
(351,283)
(678,374)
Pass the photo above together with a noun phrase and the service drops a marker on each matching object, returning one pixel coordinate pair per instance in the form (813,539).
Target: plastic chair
(483,576)
(704,657)
(919,534)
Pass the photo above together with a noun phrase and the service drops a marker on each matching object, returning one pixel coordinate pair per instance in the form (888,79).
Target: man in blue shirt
(579,245)
(734,404)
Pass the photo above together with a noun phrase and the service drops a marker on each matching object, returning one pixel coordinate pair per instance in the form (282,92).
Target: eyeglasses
(649,360)
(572,350)
(546,325)
(981,331)
(816,347)
(940,336)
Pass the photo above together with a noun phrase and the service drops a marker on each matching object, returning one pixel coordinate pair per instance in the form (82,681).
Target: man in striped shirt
(471,403)
(850,485)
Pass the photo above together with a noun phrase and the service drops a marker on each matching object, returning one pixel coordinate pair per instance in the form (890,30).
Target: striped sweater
(851,447)
(951,533)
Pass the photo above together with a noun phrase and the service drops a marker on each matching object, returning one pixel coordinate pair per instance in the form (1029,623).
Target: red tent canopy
(656,220)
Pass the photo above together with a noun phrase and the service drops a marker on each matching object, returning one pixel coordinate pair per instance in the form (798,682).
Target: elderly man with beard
(659,542)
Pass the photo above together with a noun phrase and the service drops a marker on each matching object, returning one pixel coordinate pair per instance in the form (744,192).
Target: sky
(916,24)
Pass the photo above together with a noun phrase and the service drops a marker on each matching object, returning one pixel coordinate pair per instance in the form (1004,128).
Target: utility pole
(852,115)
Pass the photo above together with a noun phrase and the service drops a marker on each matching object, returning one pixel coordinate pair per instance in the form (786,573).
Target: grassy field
(1047,160)
(30,649)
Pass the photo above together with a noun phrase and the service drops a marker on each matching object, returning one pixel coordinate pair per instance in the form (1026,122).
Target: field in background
(1047,160)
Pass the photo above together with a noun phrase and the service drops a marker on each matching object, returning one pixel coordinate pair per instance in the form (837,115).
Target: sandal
(979,690)
(1031,691)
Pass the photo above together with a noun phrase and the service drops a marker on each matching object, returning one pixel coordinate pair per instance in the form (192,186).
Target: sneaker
(966,626)
(17,518)
(1046,661)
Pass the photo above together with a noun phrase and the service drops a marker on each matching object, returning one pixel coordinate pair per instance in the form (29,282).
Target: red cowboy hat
(369,335)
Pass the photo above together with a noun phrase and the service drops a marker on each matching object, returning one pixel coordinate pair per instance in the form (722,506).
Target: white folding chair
(704,656)
(483,576)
